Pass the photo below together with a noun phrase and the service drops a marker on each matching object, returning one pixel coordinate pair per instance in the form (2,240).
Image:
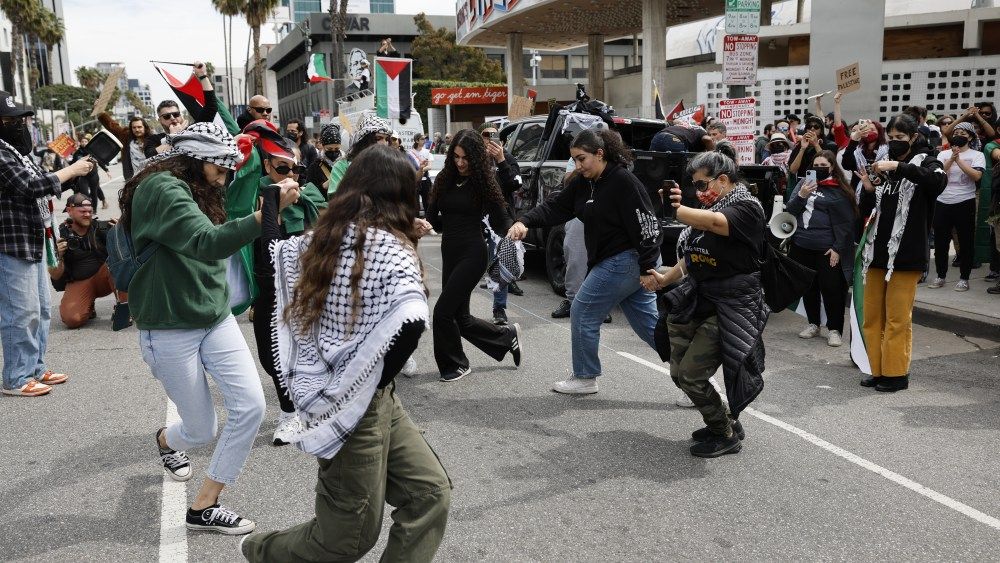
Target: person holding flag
(198,97)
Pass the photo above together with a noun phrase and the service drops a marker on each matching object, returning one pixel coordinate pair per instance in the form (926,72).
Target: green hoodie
(304,212)
(183,285)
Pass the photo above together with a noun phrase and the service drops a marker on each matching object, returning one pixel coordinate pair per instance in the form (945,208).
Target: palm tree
(20,13)
(89,77)
(257,12)
(228,9)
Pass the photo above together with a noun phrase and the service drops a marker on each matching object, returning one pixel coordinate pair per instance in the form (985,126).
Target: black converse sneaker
(218,519)
(175,463)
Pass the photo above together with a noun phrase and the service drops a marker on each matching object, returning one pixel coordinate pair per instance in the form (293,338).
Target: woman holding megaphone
(827,215)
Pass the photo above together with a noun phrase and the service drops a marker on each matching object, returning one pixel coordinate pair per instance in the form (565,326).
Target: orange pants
(78,300)
(888,323)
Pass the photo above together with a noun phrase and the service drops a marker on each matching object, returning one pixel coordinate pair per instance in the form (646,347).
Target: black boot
(893,384)
(562,312)
(870,381)
(717,445)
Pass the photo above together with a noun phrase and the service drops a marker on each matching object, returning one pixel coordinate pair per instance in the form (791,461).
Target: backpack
(123,261)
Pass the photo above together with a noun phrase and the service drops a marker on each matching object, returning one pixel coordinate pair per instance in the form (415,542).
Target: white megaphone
(782,224)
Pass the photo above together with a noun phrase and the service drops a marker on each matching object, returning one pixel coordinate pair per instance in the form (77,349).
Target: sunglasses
(814,128)
(285,169)
(261,110)
(170,115)
(700,185)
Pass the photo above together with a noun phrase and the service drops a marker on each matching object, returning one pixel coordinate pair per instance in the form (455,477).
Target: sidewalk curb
(962,323)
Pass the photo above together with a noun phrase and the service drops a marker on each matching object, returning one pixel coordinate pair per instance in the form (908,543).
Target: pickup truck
(542,158)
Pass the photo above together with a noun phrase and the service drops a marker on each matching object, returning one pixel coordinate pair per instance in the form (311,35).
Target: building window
(615,62)
(383,6)
(578,66)
(552,66)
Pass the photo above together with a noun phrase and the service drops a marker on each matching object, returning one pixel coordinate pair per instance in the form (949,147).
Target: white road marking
(173,510)
(851,457)
(937,497)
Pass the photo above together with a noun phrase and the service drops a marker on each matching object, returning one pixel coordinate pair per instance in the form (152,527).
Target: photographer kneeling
(716,314)
(82,272)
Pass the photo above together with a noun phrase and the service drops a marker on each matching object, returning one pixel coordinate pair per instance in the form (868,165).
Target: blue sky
(134,32)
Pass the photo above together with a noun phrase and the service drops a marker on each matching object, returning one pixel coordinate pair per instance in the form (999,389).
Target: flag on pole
(657,105)
(859,352)
(195,100)
(678,107)
(393,87)
(317,69)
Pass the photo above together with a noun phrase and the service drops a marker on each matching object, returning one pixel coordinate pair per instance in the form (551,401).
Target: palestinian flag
(859,352)
(51,238)
(657,105)
(193,98)
(678,107)
(393,87)
(317,69)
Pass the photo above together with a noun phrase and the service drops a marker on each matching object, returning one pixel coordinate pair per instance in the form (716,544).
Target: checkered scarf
(204,141)
(332,371)
(369,123)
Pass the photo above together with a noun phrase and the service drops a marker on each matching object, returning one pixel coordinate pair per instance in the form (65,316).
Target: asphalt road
(828,471)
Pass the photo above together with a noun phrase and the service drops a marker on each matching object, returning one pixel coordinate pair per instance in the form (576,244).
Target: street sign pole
(742,18)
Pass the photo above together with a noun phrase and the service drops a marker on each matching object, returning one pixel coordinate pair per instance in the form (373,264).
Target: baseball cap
(78,200)
(10,108)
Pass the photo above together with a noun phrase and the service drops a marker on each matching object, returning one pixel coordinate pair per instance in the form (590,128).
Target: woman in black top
(622,236)
(824,242)
(464,192)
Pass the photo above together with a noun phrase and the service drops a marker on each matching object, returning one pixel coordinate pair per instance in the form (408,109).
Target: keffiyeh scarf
(738,194)
(906,189)
(331,372)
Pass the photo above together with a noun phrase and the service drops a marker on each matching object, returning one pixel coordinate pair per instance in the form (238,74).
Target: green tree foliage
(63,93)
(437,57)
(90,78)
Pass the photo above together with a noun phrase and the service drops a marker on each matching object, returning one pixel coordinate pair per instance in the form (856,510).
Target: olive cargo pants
(386,459)
(695,355)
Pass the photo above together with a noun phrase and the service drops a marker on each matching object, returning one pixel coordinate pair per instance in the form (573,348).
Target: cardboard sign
(63,145)
(520,107)
(468,96)
(739,60)
(849,78)
(742,17)
(109,88)
(740,116)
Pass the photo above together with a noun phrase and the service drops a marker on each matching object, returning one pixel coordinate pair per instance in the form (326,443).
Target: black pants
(829,282)
(961,217)
(263,309)
(465,262)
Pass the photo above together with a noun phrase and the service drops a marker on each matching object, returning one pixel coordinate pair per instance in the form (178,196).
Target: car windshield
(526,144)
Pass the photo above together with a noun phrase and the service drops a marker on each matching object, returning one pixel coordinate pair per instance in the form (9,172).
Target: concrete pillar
(515,66)
(595,66)
(654,52)
(635,50)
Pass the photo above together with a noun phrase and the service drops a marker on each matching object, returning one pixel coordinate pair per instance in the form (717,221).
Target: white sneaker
(938,282)
(809,332)
(834,339)
(684,401)
(409,368)
(962,285)
(576,386)
(288,426)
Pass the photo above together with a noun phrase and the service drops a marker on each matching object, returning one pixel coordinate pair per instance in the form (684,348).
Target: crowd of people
(341,299)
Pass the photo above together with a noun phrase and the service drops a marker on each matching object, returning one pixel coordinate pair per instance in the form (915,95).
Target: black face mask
(958,141)
(898,149)
(17,135)
(822,174)
(331,155)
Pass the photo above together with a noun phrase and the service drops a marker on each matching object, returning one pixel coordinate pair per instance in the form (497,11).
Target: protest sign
(109,88)
(849,78)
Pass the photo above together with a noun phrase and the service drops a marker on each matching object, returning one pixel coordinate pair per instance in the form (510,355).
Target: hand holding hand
(517,231)
(653,280)
(422,226)
(289,193)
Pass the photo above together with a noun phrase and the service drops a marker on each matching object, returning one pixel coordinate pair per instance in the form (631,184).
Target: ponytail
(610,141)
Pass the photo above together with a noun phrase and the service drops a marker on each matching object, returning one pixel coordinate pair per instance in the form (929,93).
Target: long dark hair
(610,141)
(482,174)
(377,191)
(837,173)
(362,144)
(145,128)
(189,170)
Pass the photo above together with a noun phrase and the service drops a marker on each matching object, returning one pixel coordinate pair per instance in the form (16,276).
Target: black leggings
(961,217)
(464,264)
(263,309)
(829,282)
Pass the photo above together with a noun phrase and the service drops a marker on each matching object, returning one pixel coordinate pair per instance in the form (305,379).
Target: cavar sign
(468,96)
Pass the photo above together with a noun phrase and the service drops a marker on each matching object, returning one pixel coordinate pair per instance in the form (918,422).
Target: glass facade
(383,6)
(300,9)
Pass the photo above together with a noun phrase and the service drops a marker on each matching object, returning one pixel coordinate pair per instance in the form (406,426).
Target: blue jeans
(179,360)
(500,294)
(614,281)
(25,315)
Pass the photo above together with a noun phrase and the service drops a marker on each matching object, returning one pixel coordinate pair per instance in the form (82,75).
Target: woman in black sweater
(824,241)
(899,201)
(464,192)
(622,236)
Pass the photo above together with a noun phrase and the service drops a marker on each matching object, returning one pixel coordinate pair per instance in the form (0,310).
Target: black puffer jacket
(742,313)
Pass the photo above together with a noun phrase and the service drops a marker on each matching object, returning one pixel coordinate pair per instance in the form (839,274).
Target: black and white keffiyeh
(208,142)
(332,372)
(507,263)
(906,190)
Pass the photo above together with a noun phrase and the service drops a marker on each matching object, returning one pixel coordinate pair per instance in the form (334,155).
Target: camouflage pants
(695,354)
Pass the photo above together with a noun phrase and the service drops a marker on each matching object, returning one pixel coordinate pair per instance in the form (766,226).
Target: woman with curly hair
(179,300)
(351,306)
(464,192)
(622,236)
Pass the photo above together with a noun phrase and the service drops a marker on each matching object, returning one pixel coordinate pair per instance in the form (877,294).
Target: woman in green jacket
(179,300)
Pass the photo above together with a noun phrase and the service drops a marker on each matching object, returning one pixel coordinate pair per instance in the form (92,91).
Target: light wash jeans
(614,281)
(25,316)
(179,360)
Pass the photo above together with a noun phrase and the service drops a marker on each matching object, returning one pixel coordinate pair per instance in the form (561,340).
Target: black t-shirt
(692,136)
(85,254)
(711,256)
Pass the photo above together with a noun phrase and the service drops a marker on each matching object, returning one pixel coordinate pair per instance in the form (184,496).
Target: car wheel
(555,260)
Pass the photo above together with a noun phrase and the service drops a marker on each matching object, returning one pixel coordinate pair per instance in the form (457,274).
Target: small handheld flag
(317,71)
(657,105)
